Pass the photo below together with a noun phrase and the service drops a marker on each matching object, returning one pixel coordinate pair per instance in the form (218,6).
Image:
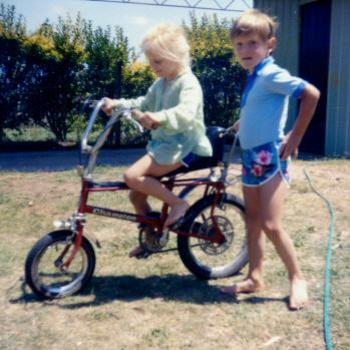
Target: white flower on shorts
(263,157)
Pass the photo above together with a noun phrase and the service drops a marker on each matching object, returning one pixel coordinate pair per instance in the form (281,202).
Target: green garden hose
(327,274)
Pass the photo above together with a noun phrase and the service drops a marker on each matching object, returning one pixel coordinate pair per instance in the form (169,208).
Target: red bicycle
(211,241)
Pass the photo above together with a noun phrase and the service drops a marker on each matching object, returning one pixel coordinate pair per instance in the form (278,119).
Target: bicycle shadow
(263,300)
(128,288)
(168,287)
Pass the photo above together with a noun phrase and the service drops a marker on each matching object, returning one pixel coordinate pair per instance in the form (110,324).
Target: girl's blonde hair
(254,21)
(168,41)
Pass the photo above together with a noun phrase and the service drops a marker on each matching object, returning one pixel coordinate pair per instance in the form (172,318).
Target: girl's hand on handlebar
(147,119)
(108,105)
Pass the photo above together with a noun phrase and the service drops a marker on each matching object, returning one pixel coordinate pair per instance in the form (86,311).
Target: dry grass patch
(156,303)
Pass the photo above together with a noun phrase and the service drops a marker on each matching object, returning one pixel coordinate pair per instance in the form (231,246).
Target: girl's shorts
(189,159)
(262,163)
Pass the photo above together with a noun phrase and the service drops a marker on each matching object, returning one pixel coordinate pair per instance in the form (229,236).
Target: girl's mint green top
(178,105)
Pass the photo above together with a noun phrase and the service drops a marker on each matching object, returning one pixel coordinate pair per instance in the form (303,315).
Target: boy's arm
(309,98)
(236,125)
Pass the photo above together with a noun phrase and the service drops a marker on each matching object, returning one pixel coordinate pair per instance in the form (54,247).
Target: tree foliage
(45,75)
(13,67)
(213,63)
(107,54)
(56,55)
(137,78)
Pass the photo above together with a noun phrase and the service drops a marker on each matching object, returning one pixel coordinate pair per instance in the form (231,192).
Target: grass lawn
(156,303)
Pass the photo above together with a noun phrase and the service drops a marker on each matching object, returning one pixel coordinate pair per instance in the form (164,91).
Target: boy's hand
(147,120)
(108,105)
(309,98)
(235,126)
(290,146)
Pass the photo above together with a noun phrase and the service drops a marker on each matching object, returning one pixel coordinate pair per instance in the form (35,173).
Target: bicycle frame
(77,221)
(157,224)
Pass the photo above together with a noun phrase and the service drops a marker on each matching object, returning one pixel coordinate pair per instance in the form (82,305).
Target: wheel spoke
(211,259)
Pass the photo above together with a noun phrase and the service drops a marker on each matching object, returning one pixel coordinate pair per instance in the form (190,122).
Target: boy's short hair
(254,21)
(168,41)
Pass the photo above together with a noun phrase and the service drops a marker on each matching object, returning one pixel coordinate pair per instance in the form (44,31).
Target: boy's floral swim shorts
(262,163)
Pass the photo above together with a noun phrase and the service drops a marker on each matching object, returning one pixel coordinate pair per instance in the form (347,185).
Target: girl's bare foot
(298,294)
(246,286)
(177,211)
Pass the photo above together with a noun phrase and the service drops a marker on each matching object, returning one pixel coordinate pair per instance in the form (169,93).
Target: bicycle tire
(53,282)
(223,266)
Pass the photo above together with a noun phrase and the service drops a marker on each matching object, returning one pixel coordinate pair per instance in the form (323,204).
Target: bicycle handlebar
(116,115)
(130,114)
(85,148)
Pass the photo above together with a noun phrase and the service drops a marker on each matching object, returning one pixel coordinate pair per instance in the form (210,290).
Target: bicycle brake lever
(133,121)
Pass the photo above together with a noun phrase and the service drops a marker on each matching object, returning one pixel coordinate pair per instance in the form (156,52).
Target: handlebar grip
(116,114)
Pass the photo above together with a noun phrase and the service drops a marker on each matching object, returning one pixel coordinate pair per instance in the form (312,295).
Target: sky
(134,19)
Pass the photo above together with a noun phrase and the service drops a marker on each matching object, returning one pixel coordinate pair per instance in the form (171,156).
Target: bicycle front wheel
(44,270)
(208,260)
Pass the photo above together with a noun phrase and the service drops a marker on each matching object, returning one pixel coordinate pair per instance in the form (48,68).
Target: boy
(266,150)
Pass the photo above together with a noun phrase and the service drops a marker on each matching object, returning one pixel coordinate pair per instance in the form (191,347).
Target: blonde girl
(173,110)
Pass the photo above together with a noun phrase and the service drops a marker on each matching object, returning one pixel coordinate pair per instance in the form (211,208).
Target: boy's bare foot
(135,251)
(177,211)
(246,286)
(298,294)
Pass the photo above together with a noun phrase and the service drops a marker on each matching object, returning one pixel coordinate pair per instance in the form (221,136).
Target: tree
(137,77)
(56,55)
(44,75)
(107,54)
(219,74)
(13,67)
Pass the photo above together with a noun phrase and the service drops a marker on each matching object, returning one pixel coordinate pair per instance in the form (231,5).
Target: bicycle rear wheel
(44,270)
(208,260)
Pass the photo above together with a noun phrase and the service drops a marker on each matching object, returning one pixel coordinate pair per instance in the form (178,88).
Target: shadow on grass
(168,287)
(128,288)
(171,287)
(263,300)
